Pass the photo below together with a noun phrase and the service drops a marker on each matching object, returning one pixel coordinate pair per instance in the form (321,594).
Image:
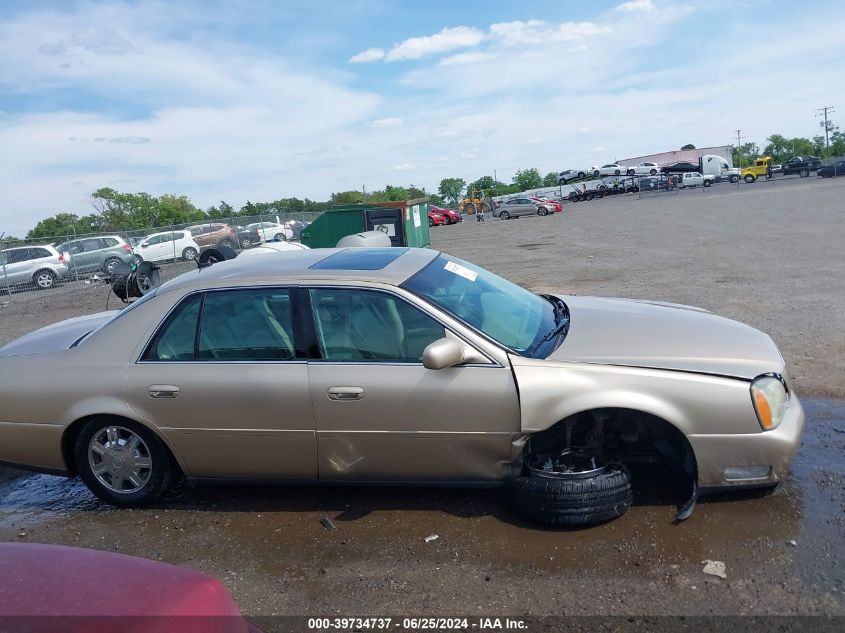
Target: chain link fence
(64,265)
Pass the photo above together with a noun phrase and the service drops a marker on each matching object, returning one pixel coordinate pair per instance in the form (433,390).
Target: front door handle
(163,391)
(345,393)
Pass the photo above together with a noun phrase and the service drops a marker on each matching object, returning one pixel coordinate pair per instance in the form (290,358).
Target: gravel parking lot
(769,254)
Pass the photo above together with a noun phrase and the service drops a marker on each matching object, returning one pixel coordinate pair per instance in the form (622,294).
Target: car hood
(664,336)
(56,337)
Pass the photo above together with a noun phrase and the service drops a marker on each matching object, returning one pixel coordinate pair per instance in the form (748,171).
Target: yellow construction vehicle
(475,202)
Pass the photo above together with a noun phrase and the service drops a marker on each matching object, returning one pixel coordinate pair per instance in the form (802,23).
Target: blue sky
(262,100)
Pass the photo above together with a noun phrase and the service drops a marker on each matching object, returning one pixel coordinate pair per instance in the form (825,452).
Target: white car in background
(271,231)
(613,169)
(644,169)
(167,246)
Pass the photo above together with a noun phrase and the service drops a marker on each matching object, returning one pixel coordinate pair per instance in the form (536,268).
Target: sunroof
(360,259)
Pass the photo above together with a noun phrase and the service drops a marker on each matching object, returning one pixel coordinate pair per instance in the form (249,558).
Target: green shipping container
(405,222)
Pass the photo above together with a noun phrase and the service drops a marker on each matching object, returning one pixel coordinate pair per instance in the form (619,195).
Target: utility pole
(823,112)
(739,146)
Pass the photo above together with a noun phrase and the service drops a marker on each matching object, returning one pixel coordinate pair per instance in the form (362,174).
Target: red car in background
(435,218)
(556,205)
(452,216)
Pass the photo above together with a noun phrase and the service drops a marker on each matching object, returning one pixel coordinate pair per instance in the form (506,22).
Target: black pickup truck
(801,165)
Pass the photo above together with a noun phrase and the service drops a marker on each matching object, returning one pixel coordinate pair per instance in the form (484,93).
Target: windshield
(503,311)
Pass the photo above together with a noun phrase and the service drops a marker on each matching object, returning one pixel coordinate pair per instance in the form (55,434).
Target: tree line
(114,211)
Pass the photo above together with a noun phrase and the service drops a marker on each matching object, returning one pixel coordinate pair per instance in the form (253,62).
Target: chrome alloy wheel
(119,459)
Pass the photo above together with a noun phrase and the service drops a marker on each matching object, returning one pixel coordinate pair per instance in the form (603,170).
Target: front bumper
(765,456)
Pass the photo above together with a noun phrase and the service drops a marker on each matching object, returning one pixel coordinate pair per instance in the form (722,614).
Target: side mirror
(443,353)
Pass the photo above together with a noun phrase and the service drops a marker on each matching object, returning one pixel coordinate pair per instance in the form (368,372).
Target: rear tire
(189,254)
(151,448)
(571,500)
(804,173)
(45,279)
(109,265)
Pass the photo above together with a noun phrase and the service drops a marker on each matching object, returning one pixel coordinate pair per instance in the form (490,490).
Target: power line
(823,111)
(739,146)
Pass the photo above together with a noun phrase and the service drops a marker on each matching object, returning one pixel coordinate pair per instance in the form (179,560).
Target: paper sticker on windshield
(463,271)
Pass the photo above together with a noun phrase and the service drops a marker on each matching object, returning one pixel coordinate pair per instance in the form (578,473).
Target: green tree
(688,146)
(488,185)
(745,154)
(550,179)
(528,179)
(436,199)
(415,193)
(451,189)
(348,197)
(60,224)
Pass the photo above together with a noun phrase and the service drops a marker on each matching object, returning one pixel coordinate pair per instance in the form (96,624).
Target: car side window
(38,253)
(367,325)
(247,325)
(175,340)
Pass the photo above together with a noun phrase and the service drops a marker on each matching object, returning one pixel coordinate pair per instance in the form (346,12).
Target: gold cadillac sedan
(397,365)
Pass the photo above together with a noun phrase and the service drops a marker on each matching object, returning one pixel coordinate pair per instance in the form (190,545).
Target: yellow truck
(762,167)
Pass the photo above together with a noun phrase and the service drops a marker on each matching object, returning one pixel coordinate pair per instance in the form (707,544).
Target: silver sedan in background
(517,207)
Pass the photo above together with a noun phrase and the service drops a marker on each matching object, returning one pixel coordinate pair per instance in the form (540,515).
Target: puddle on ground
(273,529)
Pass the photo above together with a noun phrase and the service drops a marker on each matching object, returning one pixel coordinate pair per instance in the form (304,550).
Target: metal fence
(49,263)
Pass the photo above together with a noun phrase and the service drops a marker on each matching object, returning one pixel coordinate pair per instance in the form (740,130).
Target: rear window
(360,259)
(109,242)
(37,253)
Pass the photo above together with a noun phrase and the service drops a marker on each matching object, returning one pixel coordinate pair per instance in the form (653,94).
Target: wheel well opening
(73,430)
(641,441)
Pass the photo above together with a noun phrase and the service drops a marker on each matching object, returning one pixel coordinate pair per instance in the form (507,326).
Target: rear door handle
(163,391)
(345,393)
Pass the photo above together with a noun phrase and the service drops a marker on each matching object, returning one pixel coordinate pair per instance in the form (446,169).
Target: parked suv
(214,235)
(91,254)
(38,266)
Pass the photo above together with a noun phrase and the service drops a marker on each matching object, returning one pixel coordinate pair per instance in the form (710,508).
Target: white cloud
(538,32)
(446,40)
(646,6)
(404,167)
(385,123)
(465,58)
(367,56)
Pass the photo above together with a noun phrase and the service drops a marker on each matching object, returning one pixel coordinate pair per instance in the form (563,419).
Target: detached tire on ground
(571,500)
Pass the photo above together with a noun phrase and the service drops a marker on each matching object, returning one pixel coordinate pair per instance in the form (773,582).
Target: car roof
(293,266)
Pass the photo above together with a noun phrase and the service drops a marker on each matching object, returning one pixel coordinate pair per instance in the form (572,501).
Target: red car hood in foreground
(55,588)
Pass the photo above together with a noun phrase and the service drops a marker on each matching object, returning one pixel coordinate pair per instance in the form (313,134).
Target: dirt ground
(769,254)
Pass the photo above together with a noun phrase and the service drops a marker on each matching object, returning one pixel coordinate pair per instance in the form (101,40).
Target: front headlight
(769,395)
